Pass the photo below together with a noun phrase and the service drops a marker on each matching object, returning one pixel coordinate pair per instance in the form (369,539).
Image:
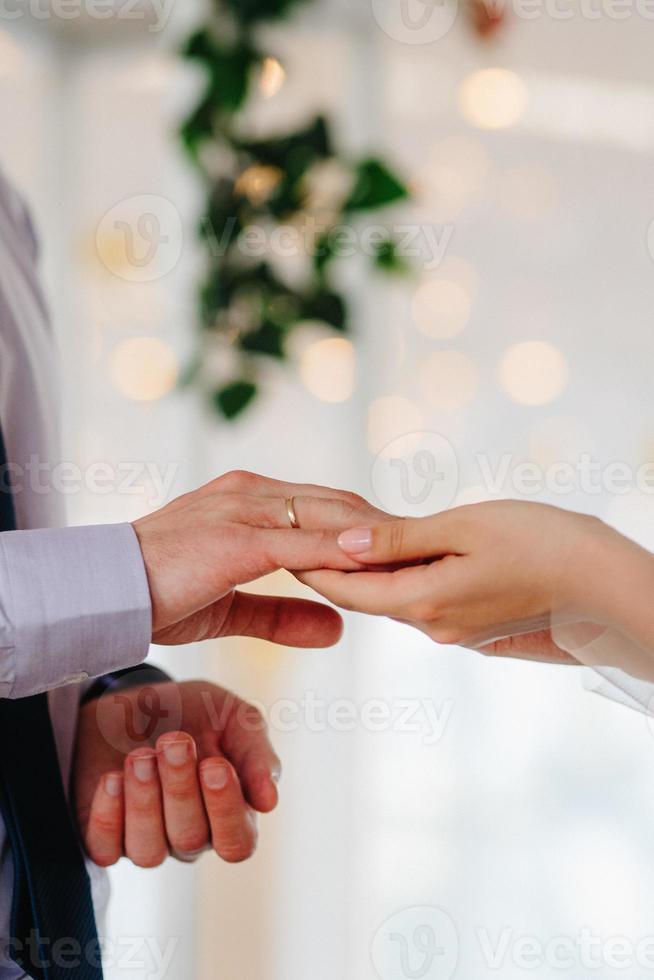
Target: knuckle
(182,790)
(105,861)
(421,610)
(352,502)
(148,859)
(251,718)
(238,479)
(172,736)
(447,634)
(348,510)
(226,814)
(107,825)
(144,807)
(236,851)
(103,858)
(396,534)
(231,500)
(325,538)
(189,841)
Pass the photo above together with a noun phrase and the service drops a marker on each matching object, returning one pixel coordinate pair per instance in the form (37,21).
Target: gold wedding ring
(290,511)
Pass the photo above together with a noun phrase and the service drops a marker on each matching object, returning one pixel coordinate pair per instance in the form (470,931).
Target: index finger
(378,593)
(246,744)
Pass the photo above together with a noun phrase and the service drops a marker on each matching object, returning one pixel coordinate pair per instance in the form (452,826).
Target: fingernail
(215,777)
(355,540)
(113,784)
(144,767)
(177,753)
(276,773)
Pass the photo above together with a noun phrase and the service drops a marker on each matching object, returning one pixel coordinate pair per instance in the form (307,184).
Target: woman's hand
(193,780)
(476,574)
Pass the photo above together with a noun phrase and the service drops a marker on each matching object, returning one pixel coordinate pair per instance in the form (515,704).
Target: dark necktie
(53,931)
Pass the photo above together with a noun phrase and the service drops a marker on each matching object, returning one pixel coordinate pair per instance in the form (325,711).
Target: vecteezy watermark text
(316,714)
(419,473)
(150,229)
(146,478)
(585,474)
(586,950)
(152,710)
(422,243)
(424,942)
(146,954)
(155,13)
(417,22)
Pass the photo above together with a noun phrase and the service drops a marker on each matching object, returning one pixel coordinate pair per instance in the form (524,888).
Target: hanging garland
(247,310)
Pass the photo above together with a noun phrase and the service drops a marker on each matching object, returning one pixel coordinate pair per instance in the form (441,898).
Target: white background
(532,815)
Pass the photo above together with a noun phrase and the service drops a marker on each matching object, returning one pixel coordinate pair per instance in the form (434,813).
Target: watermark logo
(419,943)
(415,21)
(137,717)
(140,239)
(416,474)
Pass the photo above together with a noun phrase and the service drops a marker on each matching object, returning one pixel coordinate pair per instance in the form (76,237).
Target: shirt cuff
(74,603)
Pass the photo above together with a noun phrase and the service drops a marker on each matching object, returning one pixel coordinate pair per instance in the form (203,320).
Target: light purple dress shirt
(74,602)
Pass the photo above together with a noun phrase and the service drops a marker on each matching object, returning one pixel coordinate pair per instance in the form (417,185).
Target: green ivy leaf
(326,306)
(267,339)
(199,126)
(200,46)
(293,153)
(387,259)
(230,76)
(323,254)
(375,186)
(234,398)
(229,70)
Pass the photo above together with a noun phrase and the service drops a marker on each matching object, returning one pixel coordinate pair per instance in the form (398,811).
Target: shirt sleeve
(74,603)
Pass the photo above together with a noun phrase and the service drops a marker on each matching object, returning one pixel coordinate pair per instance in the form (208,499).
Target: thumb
(402,540)
(280,619)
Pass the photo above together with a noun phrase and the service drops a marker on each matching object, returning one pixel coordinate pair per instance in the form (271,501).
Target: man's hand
(201,546)
(185,774)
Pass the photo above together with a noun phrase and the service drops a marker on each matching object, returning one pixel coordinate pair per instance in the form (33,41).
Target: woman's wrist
(579,590)
(614,583)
